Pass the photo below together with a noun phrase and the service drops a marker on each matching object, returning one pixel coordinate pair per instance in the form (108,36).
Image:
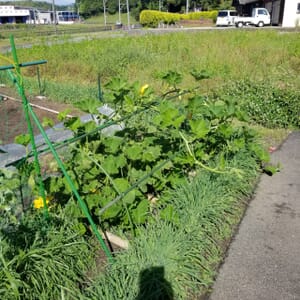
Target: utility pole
(104,11)
(54,15)
(128,16)
(119,11)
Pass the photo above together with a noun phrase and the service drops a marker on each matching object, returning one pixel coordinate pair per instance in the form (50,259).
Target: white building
(44,17)
(11,14)
(14,14)
(291,16)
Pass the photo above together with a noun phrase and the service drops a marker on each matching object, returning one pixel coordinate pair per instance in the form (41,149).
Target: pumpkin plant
(123,177)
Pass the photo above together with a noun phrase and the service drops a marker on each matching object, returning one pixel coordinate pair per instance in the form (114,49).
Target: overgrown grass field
(233,55)
(261,64)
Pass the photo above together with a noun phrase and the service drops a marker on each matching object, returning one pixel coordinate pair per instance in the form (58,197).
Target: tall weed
(230,55)
(38,261)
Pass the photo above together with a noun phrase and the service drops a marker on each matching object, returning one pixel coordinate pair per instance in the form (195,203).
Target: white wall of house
(11,11)
(291,14)
(44,18)
(11,15)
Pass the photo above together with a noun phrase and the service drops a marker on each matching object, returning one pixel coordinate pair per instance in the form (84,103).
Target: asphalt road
(263,261)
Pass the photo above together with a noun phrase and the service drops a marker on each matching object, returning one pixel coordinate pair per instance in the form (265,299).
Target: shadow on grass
(153,285)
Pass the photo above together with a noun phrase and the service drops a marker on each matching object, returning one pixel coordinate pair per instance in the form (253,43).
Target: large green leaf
(122,184)
(151,153)
(90,186)
(109,165)
(120,161)
(139,214)
(134,152)
(112,144)
(112,212)
(200,128)
(129,198)
(23,139)
(89,105)
(73,123)
(92,201)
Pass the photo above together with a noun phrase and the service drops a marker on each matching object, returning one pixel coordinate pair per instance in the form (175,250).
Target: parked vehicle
(226,17)
(259,17)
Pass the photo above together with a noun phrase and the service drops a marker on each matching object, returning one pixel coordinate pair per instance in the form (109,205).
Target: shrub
(200,15)
(151,18)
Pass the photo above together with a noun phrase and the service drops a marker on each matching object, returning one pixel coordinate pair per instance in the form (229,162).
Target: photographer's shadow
(153,285)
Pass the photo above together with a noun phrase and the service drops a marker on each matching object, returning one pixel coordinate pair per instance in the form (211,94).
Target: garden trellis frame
(18,81)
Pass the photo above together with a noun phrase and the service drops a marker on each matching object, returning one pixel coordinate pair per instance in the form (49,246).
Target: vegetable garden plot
(123,179)
(12,120)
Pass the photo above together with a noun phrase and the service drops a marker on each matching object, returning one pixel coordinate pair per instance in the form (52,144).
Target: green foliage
(90,8)
(161,142)
(42,260)
(74,76)
(168,141)
(185,251)
(266,104)
(152,18)
(212,14)
(9,197)
(23,139)
(162,252)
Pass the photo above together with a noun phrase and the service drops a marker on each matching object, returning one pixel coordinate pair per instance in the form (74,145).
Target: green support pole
(19,83)
(28,109)
(39,80)
(33,63)
(72,186)
(100,95)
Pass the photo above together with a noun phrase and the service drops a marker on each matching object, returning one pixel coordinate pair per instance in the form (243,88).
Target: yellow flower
(143,89)
(39,203)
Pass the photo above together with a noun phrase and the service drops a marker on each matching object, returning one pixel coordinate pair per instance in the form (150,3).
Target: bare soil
(12,117)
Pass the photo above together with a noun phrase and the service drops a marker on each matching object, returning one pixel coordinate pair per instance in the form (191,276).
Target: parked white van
(226,17)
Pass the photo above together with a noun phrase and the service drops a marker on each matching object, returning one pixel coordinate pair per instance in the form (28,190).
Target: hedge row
(151,18)
(200,15)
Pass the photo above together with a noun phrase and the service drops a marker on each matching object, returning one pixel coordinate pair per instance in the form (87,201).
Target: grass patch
(271,138)
(187,251)
(43,260)
(256,55)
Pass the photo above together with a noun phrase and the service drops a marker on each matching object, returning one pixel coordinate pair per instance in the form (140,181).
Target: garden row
(180,142)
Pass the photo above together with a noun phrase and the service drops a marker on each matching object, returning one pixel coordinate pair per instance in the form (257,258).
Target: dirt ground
(12,118)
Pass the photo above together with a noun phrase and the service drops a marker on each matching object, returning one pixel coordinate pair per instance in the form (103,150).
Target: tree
(88,8)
